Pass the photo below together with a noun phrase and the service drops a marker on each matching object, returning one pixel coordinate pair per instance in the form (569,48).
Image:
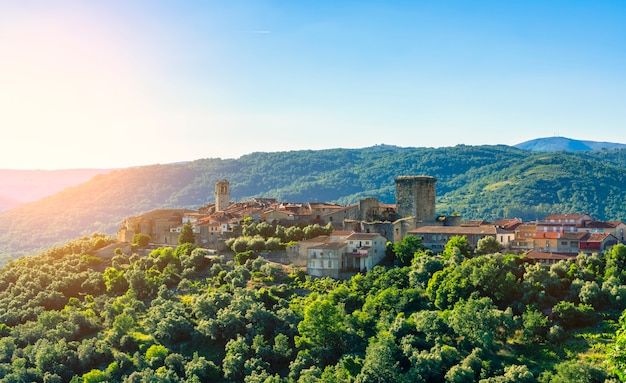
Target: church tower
(222,195)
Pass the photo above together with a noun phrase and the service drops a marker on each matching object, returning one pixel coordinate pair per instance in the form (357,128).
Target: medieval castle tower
(415,197)
(222,195)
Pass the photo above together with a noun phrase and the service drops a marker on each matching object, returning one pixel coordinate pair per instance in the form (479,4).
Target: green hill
(553,144)
(486,182)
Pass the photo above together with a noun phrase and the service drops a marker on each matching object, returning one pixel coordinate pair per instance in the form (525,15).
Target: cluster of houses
(362,230)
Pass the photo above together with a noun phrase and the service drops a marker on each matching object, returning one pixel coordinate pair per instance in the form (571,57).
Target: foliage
(186,234)
(141,239)
(406,249)
(66,318)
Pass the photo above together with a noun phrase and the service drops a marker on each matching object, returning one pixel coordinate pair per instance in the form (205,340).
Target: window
(564,243)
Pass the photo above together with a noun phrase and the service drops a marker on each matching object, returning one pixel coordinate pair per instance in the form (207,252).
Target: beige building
(342,251)
(325,259)
(435,238)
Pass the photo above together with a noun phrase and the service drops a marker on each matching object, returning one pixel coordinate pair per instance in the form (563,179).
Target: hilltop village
(362,230)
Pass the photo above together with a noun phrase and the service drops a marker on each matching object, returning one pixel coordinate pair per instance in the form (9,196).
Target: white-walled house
(342,251)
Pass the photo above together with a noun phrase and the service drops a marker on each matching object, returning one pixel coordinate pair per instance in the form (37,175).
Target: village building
(330,256)
(362,230)
(435,238)
(559,242)
(597,242)
(563,222)
(616,228)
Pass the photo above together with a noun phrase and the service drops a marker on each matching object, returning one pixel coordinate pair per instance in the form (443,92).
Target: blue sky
(123,83)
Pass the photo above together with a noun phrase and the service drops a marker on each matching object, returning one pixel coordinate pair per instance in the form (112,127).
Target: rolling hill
(555,144)
(486,182)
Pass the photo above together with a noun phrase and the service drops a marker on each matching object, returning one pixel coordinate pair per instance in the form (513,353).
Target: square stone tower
(222,195)
(415,197)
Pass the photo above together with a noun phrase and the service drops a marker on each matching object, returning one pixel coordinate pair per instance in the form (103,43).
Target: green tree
(322,329)
(186,234)
(405,250)
(460,243)
(381,363)
(480,322)
(488,245)
(574,371)
(141,239)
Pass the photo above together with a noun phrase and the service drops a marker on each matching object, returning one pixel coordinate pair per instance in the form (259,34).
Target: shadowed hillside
(486,182)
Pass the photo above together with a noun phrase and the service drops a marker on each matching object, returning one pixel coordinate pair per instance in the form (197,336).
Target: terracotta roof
(341,233)
(508,223)
(559,235)
(603,224)
(596,237)
(363,236)
(318,239)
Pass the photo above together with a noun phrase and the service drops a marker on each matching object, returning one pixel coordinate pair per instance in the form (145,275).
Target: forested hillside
(176,315)
(480,182)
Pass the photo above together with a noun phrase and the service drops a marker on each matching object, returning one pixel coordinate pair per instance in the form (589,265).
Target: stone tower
(222,195)
(415,197)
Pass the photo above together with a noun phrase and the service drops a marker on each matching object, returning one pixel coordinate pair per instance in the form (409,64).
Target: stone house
(616,228)
(597,242)
(558,242)
(342,251)
(364,251)
(325,259)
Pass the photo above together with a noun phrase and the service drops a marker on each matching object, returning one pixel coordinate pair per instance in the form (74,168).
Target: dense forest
(178,315)
(479,182)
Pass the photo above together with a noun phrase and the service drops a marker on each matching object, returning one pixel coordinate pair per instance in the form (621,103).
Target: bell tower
(222,195)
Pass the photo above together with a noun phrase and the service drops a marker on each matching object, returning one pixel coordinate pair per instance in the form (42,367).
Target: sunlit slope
(486,182)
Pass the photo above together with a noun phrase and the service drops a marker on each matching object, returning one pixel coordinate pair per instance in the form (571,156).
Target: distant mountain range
(21,186)
(479,182)
(556,144)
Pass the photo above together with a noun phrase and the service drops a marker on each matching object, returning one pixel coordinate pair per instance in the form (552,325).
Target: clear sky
(117,83)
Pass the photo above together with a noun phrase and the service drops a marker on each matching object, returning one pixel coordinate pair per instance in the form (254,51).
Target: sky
(117,83)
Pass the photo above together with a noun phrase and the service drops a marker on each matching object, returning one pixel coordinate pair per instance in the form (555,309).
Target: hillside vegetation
(480,182)
(176,315)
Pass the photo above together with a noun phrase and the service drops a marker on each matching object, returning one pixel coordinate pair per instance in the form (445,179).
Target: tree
(574,371)
(141,239)
(186,234)
(460,243)
(322,329)
(381,362)
(406,249)
(488,245)
(480,322)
